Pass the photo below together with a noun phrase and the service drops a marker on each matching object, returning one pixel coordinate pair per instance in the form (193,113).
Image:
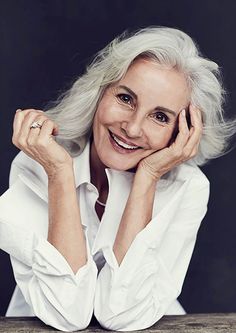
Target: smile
(121,146)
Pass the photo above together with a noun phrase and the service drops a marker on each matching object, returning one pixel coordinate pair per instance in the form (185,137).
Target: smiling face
(141,110)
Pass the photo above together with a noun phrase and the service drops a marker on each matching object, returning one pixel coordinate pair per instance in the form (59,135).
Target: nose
(133,127)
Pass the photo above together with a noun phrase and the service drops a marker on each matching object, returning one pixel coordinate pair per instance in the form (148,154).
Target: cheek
(106,114)
(161,138)
(99,118)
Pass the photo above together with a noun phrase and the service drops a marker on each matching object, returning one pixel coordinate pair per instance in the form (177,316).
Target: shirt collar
(82,168)
(81,164)
(35,177)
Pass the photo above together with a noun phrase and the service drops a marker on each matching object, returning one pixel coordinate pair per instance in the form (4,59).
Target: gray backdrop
(45,45)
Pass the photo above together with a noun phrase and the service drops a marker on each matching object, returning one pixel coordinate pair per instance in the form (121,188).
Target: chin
(118,165)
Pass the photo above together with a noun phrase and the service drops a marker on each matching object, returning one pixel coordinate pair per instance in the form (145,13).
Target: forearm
(137,213)
(65,231)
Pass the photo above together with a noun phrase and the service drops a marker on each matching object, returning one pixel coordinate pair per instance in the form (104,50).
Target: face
(138,115)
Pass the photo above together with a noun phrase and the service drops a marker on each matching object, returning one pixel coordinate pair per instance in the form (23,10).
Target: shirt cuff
(48,260)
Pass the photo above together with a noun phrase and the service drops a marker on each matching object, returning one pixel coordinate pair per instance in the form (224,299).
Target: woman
(107,194)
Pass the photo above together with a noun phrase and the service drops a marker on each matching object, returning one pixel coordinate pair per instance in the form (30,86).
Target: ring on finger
(36,124)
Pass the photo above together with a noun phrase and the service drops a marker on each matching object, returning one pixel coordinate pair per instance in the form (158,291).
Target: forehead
(155,83)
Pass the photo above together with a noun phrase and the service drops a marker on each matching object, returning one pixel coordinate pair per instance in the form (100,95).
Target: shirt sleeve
(55,294)
(137,293)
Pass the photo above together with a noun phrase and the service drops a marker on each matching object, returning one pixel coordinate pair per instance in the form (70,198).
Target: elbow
(129,323)
(70,327)
(137,317)
(66,322)
(66,327)
(66,314)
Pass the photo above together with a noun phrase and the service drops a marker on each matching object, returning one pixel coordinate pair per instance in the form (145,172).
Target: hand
(182,149)
(38,143)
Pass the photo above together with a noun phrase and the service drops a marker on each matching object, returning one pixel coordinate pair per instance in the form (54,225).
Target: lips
(119,147)
(125,141)
(122,142)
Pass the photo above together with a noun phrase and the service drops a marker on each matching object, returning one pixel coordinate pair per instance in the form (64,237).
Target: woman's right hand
(38,143)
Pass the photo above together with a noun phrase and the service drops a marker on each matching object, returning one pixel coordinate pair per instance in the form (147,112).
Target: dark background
(45,45)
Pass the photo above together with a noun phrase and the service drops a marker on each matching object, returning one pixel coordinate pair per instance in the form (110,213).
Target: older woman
(107,194)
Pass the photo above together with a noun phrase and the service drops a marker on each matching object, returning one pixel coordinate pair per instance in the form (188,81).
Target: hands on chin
(182,149)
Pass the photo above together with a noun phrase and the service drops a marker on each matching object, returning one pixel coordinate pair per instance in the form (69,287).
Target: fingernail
(183,113)
(18,110)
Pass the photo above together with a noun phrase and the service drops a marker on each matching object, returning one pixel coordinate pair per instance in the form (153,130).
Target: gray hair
(75,109)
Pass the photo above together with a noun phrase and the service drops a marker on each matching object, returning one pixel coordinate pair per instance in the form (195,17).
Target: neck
(97,171)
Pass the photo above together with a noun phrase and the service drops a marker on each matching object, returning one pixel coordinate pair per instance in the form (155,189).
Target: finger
(17,123)
(35,131)
(18,119)
(196,130)
(196,123)
(183,134)
(47,130)
(55,128)
(25,111)
(27,122)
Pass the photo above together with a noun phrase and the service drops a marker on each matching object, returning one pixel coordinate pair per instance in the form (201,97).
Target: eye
(162,117)
(127,99)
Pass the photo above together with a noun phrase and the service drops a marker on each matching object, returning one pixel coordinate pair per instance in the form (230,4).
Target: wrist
(144,180)
(148,176)
(60,173)
(149,172)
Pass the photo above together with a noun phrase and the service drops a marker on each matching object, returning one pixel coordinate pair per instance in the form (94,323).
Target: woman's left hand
(182,149)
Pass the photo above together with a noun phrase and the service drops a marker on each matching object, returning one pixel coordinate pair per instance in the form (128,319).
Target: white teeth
(121,143)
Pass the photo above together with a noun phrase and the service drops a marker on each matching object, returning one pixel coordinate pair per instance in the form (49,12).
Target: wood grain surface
(190,323)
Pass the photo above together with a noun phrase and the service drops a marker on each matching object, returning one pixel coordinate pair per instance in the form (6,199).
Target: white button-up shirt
(128,297)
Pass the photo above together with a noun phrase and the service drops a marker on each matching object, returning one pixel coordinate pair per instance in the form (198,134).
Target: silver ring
(36,124)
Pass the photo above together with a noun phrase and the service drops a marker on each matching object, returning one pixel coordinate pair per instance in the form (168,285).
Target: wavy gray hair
(75,109)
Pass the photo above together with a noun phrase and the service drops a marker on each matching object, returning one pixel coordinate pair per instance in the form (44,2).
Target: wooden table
(190,323)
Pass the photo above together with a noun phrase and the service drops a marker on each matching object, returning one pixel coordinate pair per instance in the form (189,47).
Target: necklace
(101,203)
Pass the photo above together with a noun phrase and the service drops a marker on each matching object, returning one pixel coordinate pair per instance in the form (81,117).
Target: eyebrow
(161,108)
